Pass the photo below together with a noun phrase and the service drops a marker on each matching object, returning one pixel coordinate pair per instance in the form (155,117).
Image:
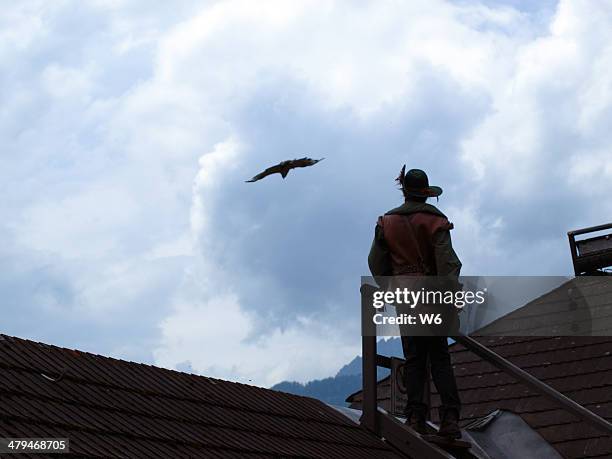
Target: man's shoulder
(416,207)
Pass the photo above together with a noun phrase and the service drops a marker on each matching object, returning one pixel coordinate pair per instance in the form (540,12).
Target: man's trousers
(416,350)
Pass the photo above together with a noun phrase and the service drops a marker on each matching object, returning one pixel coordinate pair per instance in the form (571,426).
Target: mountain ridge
(335,389)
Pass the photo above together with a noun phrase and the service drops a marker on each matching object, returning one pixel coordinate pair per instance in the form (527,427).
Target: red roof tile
(113,408)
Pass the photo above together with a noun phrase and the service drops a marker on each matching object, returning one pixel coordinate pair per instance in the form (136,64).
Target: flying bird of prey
(284,167)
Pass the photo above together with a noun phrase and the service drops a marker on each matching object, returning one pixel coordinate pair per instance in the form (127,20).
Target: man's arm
(447,261)
(379,259)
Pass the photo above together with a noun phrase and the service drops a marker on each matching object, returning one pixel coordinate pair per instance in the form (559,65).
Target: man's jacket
(413,239)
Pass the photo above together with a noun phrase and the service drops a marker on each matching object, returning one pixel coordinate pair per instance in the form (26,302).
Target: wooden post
(369,418)
(572,243)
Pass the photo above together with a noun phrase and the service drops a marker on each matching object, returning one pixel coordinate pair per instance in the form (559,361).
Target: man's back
(413,239)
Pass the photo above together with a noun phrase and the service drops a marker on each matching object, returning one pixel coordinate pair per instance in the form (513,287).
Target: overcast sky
(127,129)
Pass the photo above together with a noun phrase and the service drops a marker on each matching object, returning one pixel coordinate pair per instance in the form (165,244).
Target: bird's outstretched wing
(304,162)
(284,167)
(270,170)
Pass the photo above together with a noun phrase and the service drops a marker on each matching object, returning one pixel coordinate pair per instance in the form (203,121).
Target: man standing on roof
(414,240)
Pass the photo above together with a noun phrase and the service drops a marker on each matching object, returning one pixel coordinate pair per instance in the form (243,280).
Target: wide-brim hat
(415,183)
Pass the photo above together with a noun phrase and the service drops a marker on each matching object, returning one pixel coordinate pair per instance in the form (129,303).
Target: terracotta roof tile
(113,408)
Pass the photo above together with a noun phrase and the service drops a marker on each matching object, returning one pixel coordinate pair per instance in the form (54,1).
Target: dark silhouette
(284,167)
(414,240)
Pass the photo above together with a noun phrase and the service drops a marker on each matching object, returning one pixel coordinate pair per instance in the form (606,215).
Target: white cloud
(128,129)
(217,339)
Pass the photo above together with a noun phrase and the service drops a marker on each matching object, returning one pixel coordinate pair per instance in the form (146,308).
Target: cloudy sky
(127,129)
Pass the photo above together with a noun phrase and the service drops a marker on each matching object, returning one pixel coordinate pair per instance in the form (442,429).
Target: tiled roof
(114,408)
(579,367)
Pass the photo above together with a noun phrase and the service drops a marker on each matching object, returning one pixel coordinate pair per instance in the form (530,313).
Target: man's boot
(416,421)
(449,426)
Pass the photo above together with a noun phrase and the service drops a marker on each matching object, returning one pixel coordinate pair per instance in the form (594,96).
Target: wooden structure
(591,255)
